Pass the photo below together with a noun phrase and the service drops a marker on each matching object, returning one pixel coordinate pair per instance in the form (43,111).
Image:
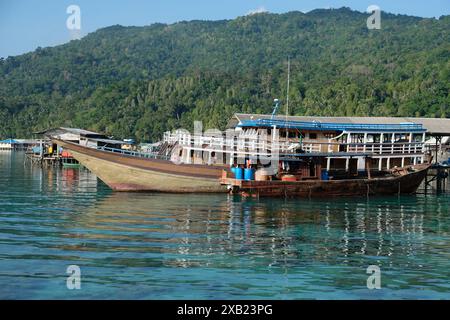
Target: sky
(26,25)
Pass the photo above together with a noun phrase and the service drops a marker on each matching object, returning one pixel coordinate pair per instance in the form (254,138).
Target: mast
(287,89)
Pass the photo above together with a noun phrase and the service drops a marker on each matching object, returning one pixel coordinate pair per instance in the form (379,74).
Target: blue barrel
(233,171)
(36,149)
(239,173)
(325,175)
(249,174)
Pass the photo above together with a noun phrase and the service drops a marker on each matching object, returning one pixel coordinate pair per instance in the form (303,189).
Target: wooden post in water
(439,176)
(368,160)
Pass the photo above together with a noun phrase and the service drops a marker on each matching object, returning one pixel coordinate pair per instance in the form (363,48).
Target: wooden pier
(438,174)
(47,161)
(43,156)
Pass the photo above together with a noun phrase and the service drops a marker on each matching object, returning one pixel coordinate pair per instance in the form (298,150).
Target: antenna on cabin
(275,109)
(287,89)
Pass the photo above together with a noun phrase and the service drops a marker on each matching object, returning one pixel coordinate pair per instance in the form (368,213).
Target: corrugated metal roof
(109,141)
(9,141)
(333,126)
(27,141)
(436,126)
(81,131)
(75,131)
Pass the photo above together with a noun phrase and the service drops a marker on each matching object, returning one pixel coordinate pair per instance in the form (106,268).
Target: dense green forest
(141,81)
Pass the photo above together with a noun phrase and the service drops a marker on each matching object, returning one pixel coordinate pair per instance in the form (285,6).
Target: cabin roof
(75,131)
(26,141)
(9,141)
(81,132)
(109,141)
(434,126)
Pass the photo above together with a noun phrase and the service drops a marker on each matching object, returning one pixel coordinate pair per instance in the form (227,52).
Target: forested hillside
(141,81)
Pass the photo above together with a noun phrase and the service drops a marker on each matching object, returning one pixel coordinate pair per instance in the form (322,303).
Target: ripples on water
(159,246)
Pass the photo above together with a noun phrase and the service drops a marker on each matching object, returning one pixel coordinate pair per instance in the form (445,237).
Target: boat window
(417,137)
(375,138)
(357,138)
(313,135)
(401,137)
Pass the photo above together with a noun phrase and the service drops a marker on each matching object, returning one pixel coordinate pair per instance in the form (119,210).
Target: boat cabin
(342,146)
(83,137)
(305,149)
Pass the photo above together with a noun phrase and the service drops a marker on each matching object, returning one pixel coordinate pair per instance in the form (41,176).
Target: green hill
(141,81)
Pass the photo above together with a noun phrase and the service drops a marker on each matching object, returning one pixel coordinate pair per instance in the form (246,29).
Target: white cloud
(257,10)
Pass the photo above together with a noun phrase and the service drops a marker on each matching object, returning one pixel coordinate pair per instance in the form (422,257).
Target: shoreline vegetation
(139,82)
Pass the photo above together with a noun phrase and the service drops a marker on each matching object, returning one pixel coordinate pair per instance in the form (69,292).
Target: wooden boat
(303,156)
(397,181)
(128,173)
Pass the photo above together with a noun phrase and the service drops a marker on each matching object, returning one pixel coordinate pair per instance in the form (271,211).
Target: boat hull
(402,184)
(127,173)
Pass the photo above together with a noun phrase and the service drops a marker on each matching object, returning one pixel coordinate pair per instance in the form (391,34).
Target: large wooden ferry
(268,156)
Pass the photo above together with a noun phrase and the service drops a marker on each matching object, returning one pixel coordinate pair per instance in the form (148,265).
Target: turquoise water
(156,246)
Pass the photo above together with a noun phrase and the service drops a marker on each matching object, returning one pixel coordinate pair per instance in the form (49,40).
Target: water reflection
(175,230)
(212,246)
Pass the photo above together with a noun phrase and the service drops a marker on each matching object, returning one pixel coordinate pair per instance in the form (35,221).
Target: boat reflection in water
(217,246)
(303,244)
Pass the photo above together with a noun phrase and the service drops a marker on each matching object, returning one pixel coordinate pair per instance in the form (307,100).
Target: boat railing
(387,148)
(312,147)
(237,142)
(243,142)
(134,153)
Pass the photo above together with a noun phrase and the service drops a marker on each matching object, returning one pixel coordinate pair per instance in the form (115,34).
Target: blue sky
(25,25)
